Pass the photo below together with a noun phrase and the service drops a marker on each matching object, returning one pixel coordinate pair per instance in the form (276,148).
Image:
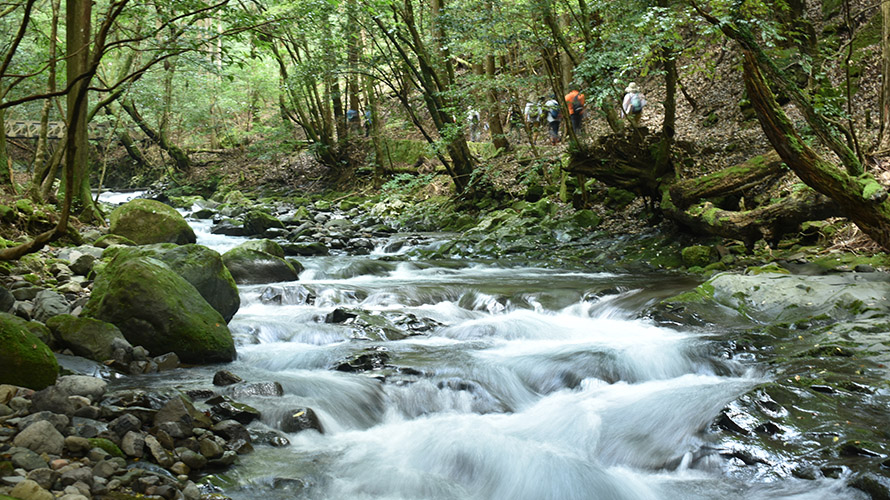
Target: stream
(489,382)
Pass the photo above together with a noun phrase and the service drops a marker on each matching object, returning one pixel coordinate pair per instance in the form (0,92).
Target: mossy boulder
(86,337)
(258,222)
(107,240)
(264,245)
(7,213)
(24,360)
(148,221)
(252,266)
(306,248)
(158,309)
(199,265)
(24,206)
(698,255)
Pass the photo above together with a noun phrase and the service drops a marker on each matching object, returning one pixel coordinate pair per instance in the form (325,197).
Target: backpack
(577,107)
(636,104)
(554,112)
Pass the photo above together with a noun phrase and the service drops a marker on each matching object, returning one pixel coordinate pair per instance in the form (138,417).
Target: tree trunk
(77,158)
(180,158)
(861,198)
(498,138)
(6,178)
(732,181)
(770,222)
(884,143)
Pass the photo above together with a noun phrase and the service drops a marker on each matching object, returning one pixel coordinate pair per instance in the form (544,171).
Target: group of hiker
(541,110)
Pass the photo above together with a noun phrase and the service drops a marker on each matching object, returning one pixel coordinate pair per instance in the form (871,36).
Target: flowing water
(497,382)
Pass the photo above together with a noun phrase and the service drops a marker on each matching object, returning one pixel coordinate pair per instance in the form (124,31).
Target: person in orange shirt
(575,103)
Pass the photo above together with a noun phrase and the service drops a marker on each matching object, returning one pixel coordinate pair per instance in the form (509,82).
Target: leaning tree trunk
(180,158)
(861,198)
(884,144)
(733,181)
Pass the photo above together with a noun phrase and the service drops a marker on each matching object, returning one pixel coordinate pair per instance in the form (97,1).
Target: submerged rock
(252,266)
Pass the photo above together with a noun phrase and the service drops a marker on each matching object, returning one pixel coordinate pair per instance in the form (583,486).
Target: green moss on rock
(698,255)
(157,308)
(148,221)
(24,360)
(105,444)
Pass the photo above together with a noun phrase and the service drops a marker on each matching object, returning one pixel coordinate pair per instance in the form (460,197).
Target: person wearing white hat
(633,103)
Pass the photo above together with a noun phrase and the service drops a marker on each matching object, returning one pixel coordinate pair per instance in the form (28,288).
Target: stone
(86,337)
(300,419)
(180,410)
(225,377)
(250,266)
(59,421)
(194,460)
(257,222)
(257,389)
(125,424)
(26,459)
(167,362)
(231,430)
(71,474)
(83,265)
(698,255)
(224,408)
(133,444)
(6,300)
(156,308)
(148,221)
(227,459)
(44,476)
(81,385)
(30,490)
(41,437)
(24,360)
(210,448)
(77,444)
(200,266)
(52,399)
(47,304)
(161,456)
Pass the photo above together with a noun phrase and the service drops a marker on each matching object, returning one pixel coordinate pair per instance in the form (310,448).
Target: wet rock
(269,437)
(224,408)
(231,430)
(856,449)
(160,455)
(41,437)
(209,448)
(376,359)
(166,362)
(273,389)
(339,315)
(290,295)
(300,419)
(227,459)
(174,430)
(86,337)
(45,477)
(193,460)
(250,266)
(225,377)
(305,249)
(6,300)
(182,411)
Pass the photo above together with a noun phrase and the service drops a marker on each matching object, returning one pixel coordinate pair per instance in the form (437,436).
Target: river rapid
(489,381)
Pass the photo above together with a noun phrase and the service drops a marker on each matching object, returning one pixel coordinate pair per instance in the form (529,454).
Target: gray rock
(60,422)
(41,437)
(257,389)
(193,460)
(77,444)
(106,468)
(300,419)
(30,490)
(133,444)
(161,456)
(80,385)
(26,293)
(225,377)
(6,300)
(228,458)
(52,399)
(69,476)
(224,408)
(83,265)
(47,304)
(182,411)
(87,337)
(124,424)
(231,430)
(167,362)
(26,459)
(45,477)
(210,448)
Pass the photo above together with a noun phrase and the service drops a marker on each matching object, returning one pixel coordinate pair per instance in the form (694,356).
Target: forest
(447,249)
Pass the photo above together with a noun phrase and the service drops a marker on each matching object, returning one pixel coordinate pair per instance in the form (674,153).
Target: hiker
(632,107)
(575,103)
(473,121)
(352,120)
(551,107)
(367,123)
(533,115)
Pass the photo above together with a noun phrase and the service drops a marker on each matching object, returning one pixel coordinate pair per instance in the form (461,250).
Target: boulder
(30,490)
(698,255)
(41,437)
(6,300)
(24,360)
(264,245)
(158,309)
(82,385)
(148,221)
(86,337)
(300,419)
(257,222)
(306,249)
(200,266)
(47,304)
(250,266)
